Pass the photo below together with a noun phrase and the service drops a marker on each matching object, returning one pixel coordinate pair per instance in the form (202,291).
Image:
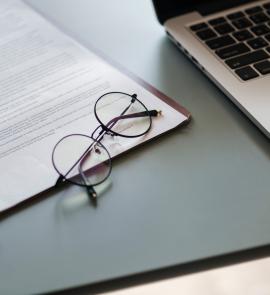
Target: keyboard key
(217,21)
(246,59)
(246,73)
(199,26)
(253,10)
(220,42)
(259,18)
(235,15)
(257,43)
(224,29)
(242,23)
(267,6)
(233,50)
(267,37)
(260,30)
(263,67)
(206,34)
(243,35)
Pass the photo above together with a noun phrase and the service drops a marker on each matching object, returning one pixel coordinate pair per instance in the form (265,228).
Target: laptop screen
(166,9)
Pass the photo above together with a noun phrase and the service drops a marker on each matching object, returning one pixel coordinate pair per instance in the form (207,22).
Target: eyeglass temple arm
(61,179)
(152,113)
(90,189)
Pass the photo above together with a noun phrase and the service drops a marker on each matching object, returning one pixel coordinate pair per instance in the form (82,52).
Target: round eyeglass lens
(81,160)
(123,114)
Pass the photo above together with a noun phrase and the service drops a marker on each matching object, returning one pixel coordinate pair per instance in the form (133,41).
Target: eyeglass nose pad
(97,151)
(134,97)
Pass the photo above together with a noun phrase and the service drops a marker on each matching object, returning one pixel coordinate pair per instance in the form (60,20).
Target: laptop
(229,40)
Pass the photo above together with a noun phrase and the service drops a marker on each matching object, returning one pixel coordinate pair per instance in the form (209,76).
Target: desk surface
(201,191)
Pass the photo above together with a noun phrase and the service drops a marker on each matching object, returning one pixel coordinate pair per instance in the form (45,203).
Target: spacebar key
(246,59)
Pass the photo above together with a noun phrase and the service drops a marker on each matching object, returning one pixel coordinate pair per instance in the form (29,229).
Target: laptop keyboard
(240,39)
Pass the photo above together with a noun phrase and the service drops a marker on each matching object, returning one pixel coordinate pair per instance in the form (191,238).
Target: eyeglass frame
(104,130)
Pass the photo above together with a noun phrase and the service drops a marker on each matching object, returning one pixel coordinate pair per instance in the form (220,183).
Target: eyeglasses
(84,160)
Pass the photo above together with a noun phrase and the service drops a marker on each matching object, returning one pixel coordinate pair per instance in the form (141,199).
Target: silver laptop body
(236,64)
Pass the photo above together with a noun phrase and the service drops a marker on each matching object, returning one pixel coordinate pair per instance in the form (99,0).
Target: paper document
(48,86)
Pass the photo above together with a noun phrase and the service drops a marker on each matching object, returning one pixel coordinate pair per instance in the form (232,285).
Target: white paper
(48,85)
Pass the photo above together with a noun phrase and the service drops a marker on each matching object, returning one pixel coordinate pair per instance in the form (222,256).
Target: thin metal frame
(105,129)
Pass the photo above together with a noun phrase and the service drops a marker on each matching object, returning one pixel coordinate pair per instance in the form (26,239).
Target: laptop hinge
(166,9)
(217,6)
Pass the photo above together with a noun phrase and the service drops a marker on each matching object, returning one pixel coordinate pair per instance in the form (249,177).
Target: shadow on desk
(121,159)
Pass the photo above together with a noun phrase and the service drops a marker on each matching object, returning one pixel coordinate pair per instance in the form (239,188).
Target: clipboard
(44,180)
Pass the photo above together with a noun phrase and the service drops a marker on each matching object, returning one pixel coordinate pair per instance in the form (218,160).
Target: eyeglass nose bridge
(103,130)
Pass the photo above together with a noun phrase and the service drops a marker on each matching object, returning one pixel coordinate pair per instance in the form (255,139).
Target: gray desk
(199,191)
